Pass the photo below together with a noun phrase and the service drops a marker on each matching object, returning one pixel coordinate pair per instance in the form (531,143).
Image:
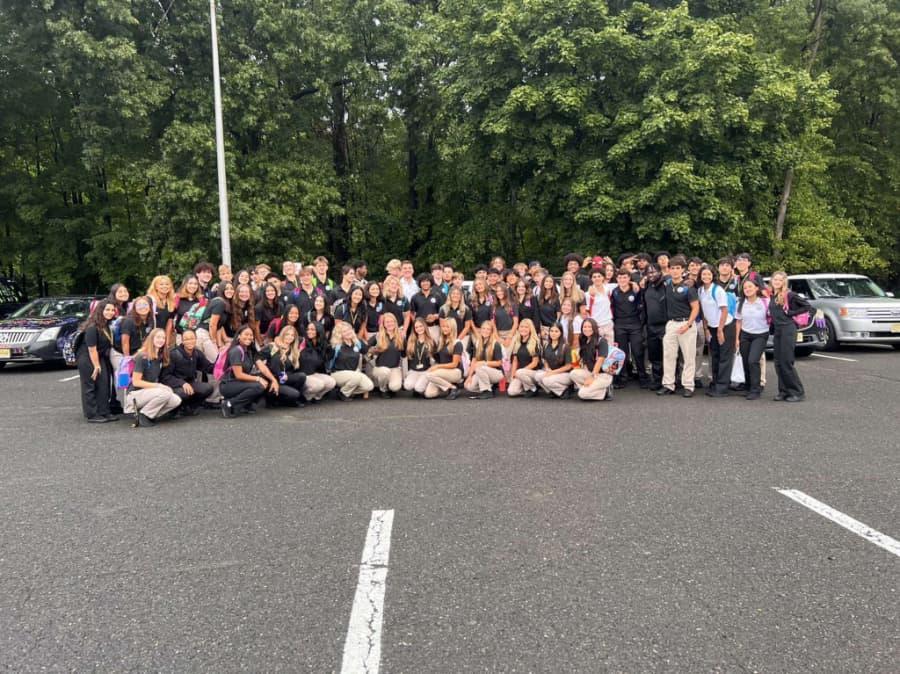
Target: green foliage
(444,130)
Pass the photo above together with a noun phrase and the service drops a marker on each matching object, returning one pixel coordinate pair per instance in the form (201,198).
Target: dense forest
(447,129)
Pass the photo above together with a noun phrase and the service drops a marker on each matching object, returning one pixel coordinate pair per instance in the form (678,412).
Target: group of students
(298,337)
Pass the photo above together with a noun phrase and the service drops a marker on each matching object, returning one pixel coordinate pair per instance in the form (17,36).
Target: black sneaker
(143,421)
(566,395)
(528,393)
(698,383)
(453,394)
(780,397)
(687,393)
(752,396)
(227,409)
(111,417)
(794,399)
(663,391)
(99,420)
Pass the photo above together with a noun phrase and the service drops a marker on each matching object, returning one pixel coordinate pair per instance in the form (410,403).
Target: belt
(679,320)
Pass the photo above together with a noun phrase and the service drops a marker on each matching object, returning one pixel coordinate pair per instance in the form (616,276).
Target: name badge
(420,366)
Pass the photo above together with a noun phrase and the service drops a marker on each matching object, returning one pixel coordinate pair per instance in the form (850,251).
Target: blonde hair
(169,299)
(287,351)
(576,294)
(147,347)
(478,340)
(531,344)
(448,341)
(446,308)
(780,296)
(384,339)
(393,264)
(413,338)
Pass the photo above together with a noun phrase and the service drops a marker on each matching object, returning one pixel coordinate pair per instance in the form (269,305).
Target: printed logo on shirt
(432,300)
(631,298)
(682,289)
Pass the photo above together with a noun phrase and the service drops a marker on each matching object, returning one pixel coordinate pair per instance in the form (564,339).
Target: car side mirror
(889,294)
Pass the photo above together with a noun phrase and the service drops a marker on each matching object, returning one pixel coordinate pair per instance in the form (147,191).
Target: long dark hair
(237,309)
(139,321)
(113,289)
(97,319)
(589,344)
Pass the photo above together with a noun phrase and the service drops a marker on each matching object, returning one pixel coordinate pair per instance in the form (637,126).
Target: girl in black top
(445,375)
(487,362)
(135,327)
(548,305)
(268,308)
(593,383)
(783,307)
(94,368)
(188,295)
(119,296)
(162,294)
(505,316)
(312,363)
(481,302)
(147,396)
(419,355)
(345,363)
(556,358)
(353,311)
(396,303)
(455,309)
(387,346)
(241,389)
(526,360)
(321,316)
(291,316)
(526,302)
(284,364)
(218,318)
(374,308)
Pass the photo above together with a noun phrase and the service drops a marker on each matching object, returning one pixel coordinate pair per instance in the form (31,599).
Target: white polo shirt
(711,303)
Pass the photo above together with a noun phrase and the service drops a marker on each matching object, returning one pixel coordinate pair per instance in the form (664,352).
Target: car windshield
(50,308)
(845,287)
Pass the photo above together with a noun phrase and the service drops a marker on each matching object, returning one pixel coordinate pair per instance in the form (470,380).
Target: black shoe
(388,394)
(249,409)
(566,394)
(752,396)
(794,399)
(780,397)
(483,395)
(116,410)
(698,383)
(190,412)
(143,421)
(712,393)
(687,393)
(344,398)
(663,391)
(528,393)
(618,385)
(453,394)
(228,409)
(98,420)
(111,416)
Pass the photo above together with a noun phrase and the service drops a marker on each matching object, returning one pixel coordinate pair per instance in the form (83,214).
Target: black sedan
(42,329)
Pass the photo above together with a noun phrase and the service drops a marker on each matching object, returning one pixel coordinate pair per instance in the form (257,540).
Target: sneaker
(794,399)
(687,393)
(698,383)
(527,393)
(663,391)
(780,397)
(453,394)
(111,417)
(144,421)
(566,395)
(752,396)
(227,409)
(98,420)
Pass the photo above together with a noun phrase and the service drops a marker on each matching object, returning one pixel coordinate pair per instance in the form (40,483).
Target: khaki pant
(152,402)
(597,390)
(388,378)
(525,380)
(701,342)
(416,380)
(317,386)
(352,382)
(687,344)
(555,384)
(441,381)
(484,378)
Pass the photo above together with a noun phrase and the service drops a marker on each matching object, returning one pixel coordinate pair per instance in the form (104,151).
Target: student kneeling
(240,388)
(185,362)
(284,364)
(148,398)
(345,360)
(592,383)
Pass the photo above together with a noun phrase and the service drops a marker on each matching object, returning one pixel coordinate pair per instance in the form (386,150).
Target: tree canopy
(447,129)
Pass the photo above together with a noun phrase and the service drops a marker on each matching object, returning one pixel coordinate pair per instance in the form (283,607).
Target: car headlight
(48,335)
(853,312)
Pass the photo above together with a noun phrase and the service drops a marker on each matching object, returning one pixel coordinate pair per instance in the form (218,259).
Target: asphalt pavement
(643,534)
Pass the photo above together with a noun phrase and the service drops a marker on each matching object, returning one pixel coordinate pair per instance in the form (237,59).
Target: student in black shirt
(574,263)
(353,311)
(321,316)
(548,305)
(445,375)
(290,316)
(345,364)
(304,295)
(162,295)
(312,364)
(119,295)
(655,319)
(284,364)
(94,368)
(682,309)
(374,309)
(556,358)
(592,381)
(426,305)
(487,362)
(148,397)
(188,297)
(628,314)
(783,306)
(526,302)
(204,273)
(268,308)
(243,311)
(504,316)
(526,361)
(396,303)
(185,363)
(387,346)
(456,310)
(482,302)
(420,350)
(241,389)
(135,327)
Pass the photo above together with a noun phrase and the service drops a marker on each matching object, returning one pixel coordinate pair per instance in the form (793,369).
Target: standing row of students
(294,339)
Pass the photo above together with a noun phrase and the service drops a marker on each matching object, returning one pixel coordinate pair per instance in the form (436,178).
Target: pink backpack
(222,366)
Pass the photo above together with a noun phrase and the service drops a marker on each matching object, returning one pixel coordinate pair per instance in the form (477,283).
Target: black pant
(721,358)
(752,349)
(94,393)
(289,393)
(202,391)
(655,334)
(630,339)
(789,383)
(241,394)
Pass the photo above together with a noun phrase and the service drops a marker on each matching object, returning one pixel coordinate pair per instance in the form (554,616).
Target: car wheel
(831,343)
(2,365)
(803,353)
(895,345)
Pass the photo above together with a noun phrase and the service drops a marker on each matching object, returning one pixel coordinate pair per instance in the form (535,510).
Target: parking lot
(645,534)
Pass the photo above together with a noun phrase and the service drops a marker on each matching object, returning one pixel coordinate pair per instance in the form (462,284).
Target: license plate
(5,353)
(895,328)
(800,337)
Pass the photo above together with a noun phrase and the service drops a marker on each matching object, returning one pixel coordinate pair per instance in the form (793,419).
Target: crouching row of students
(296,369)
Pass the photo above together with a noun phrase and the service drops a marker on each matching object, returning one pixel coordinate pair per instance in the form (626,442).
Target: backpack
(731,297)
(800,320)
(117,331)
(612,364)
(194,316)
(124,372)
(222,367)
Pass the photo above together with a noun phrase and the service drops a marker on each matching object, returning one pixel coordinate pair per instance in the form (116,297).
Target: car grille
(17,336)
(883,313)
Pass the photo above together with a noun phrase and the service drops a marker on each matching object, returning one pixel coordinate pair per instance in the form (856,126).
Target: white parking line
(362,650)
(836,516)
(70,378)
(825,355)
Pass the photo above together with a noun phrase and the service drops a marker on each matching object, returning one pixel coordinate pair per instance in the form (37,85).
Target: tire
(831,343)
(2,365)
(803,353)
(896,346)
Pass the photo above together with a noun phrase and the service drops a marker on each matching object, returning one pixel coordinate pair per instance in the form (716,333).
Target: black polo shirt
(390,357)
(626,307)
(99,339)
(445,355)
(238,355)
(150,369)
(421,358)
(558,357)
(589,357)
(312,361)
(425,305)
(523,358)
(482,354)
(503,317)
(678,301)
(547,312)
(481,313)
(460,315)
(343,357)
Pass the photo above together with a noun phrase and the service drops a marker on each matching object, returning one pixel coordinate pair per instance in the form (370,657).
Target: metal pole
(224,226)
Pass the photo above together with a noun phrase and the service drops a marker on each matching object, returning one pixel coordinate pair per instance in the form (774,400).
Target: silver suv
(856,309)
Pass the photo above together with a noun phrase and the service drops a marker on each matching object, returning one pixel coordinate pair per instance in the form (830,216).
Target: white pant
(525,380)
(388,378)
(484,379)
(416,380)
(441,381)
(556,384)
(152,402)
(352,382)
(687,344)
(598,388)
(317,386)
